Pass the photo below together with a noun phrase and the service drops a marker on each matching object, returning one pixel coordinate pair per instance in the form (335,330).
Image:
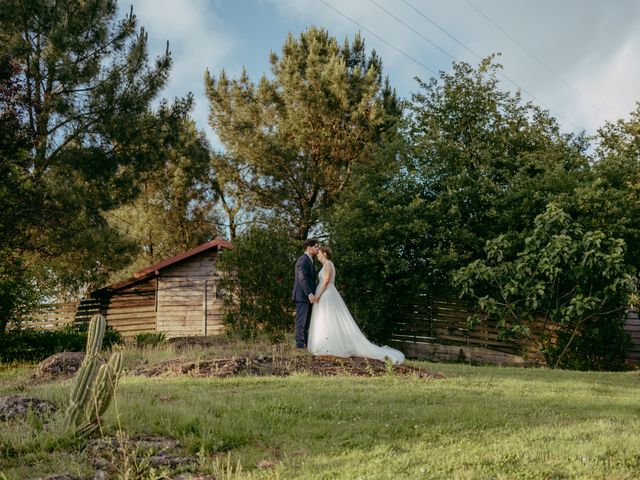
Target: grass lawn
(476,422)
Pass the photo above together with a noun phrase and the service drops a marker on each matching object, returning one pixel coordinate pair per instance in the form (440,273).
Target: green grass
(477,422)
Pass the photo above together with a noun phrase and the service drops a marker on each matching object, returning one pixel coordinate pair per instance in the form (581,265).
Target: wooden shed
(178,296)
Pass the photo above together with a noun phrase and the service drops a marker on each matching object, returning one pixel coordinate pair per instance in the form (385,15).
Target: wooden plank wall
(632,327)
(187,298)
(132,310)
(438,331)
(56,315)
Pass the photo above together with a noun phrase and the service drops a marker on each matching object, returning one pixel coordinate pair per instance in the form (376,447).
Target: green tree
(230,179)
(82,89)
(17,292)
(300,134)
(484,163)
(575,282)
(377,232)
(610,200)
(258,274)
(176,207)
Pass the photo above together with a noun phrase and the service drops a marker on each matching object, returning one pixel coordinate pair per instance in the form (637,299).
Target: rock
(60,365)
(16,406)
(266,464)
(156,450)
(63,476)
(194,476)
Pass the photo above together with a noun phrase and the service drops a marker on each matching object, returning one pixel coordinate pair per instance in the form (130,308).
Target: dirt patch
(263,365)
(200,341)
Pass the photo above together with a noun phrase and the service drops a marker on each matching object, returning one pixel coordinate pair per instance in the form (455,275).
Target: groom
(304,288)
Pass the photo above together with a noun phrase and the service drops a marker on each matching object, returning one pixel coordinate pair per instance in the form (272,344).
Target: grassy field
(476,422)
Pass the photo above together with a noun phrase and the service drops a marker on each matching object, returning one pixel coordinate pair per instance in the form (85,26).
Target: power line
(412,29)
(502,74)
(536,58)
(380,38)
(442,30)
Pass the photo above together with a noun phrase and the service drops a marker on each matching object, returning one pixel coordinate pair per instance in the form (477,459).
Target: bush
(601,345)
(577,281)
(29,345)
(258,276)
(150,338)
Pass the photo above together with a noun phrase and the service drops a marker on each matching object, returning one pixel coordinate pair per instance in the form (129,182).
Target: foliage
(569,279)
(76,91)
(27,345)
(229,183)
(610,200)
(257,274)
(175,208)
(483,162)
(299,135)
(376,231)
(150,338)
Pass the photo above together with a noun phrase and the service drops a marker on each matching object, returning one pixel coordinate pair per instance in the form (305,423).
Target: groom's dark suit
(303,286)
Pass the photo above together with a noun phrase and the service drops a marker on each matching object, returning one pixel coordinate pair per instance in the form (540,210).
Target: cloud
(198,39)
(587,43)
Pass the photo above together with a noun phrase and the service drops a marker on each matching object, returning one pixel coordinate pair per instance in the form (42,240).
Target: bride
(332,330)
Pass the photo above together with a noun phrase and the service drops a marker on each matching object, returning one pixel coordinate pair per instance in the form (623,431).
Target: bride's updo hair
(326,251)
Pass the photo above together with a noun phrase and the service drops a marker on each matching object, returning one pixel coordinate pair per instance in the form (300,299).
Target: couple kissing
(324,325)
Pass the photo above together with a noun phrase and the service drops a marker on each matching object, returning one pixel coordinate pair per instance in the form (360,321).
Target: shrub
(258,276)
(150,338)
(28,345)
(576,281)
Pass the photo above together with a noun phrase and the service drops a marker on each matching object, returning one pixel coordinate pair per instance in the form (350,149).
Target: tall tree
(610,200)
(82,85)
(484,161)
(16,198)
(231,180)
(301,132)
(176,207)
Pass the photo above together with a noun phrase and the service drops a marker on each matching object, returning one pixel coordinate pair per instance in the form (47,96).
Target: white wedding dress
(333,331)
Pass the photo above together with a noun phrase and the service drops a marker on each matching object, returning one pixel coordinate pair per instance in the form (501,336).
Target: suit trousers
(303,317)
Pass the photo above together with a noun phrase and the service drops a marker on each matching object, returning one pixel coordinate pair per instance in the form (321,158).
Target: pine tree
(81,89)
(300,133)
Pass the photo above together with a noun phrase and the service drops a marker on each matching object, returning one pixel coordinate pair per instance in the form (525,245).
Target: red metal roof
(218,242)
(149,272)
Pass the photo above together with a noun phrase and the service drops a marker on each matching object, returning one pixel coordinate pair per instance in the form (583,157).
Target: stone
(59,365)
(16,406)
(193,476)
(63,476)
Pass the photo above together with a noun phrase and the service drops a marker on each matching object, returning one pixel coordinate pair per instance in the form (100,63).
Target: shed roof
(218,242)
(155,269)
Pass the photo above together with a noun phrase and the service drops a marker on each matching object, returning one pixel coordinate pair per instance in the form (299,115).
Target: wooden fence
(632,326)
(429,329)
(438,330)
(57,315)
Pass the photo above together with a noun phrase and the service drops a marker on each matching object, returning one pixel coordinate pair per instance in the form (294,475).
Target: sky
(577,58)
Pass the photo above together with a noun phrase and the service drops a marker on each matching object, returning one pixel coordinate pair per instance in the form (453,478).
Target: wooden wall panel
(182,290)
(132,310)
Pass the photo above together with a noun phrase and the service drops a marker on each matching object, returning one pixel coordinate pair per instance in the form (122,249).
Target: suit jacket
(305,281)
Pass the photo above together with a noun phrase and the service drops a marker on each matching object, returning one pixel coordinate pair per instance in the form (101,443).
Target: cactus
(92,393)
